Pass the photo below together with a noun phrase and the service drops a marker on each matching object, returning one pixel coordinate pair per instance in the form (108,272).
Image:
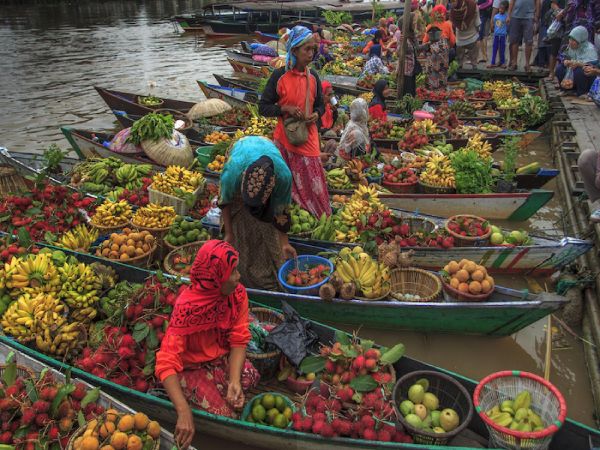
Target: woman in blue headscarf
(285,97)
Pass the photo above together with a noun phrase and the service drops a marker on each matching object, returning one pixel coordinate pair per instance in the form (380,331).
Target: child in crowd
(500,30)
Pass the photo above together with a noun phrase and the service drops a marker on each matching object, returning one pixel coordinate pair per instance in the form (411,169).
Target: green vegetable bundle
(152,127)
(473,175)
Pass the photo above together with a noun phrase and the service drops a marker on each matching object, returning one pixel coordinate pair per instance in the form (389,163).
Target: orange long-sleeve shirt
(180,352)
(447,32)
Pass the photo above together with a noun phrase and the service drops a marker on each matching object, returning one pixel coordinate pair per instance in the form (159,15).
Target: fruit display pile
(359,272)
(426,94)
(517,414)
(41,412)
(217,164)
(399,175)
(363,202)
(109,175)
(338,179)
(257,126)
(217,136)
(422,410)
(438,172)
(11,247)
(469,226)
(119,432)
(353,399)
(446,117)
(307,276)
(177,181)
(302,221)
(126,245)
(112,214)
(44,209)
(185,231)
(468,277)
(272,410)
(154,216)
(509,238)
(413,139)
(79,238)
(235,117)
(379,129)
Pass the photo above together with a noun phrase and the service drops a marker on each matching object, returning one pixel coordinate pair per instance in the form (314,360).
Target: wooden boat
(234,96)
(215,11)
(264,38)
(167,441)
(572,435)
(244,57)
(249,69)
(232,82)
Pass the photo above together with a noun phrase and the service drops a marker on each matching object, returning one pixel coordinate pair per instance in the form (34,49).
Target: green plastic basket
(204,155)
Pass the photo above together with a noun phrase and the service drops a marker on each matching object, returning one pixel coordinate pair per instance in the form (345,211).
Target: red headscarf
(441,11)
(327,118)
(201,306)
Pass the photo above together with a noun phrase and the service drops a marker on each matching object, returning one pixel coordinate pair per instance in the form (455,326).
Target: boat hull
(249,69)
(512,206)
(237,98)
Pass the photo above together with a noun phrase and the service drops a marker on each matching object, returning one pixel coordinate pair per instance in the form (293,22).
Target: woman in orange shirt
(438,15)
(202,358)
(285,97)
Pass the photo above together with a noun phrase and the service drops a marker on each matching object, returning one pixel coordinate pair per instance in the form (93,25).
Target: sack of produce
(174,151)
(263,49)
(208,108)
(262,58)
(119,144)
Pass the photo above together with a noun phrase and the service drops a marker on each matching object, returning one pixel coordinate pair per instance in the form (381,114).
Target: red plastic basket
(401,188)
(546,400)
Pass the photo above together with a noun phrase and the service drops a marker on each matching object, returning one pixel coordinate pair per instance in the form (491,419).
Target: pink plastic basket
(546,400)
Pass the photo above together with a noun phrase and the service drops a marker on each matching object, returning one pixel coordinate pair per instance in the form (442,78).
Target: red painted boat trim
(517,258)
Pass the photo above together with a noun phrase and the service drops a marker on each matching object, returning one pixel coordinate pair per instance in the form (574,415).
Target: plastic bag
(294,337)
(263,49)
(554,30)
(567,82)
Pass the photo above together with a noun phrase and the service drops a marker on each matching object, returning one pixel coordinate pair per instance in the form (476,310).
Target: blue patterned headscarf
(298,36)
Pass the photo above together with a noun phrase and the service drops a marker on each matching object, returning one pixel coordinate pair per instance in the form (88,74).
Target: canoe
(572,435)
(195,22)
(265,38)
(249,69)
(514,206)
(167,441)
(232,82)
(244,57)
(235,97)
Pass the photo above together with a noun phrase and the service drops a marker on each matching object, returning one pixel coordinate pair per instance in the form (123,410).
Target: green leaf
(43,373)
(81,419)
(21,432)
(30,389)
(393,354)
(50,237)
(63,392)
(349,351)
(68,376)
(24,237)
(312,364)
(366,344)
(342,337)
(90,397)
(152,339)
(148,369)
(140,334)
(363,383)
(10,371)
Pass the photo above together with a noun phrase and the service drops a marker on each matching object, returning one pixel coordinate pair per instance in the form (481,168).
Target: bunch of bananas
(110,214)
(154,216)
(478,144)
(508,103)
(79,238)
(426,126)
(176,180)
(129,175)
(365,201)
(347,236)
(61,342)
(80,285)
(325,229)
(19,321)
(356,266)
(500,89)
(258,126)
(102,176)
(438,172)
(517,414)
(338,179)
(33,274)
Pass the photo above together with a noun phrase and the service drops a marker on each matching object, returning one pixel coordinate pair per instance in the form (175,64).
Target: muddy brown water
(52,54)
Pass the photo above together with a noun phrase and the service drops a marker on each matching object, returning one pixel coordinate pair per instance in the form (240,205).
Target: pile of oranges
(468,277)
(217,136)
(126,245)
(217,164)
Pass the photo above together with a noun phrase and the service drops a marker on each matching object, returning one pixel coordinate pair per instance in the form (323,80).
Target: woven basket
(190,249)
(401,188)
(465,297)
(266,363)
(428,189)
(79,432)
(208,108)
(449,392)
(11,181)
(546,400)
(139,101)
(22,371)
(170,152)
(102,230)
(416,282)
(468,241)
(142,261)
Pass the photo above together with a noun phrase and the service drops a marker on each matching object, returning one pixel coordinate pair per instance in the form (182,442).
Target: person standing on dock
(465,18)
(500,31)
(285,97)
(523,21)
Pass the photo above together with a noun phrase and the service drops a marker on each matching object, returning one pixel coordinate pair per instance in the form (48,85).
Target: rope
(564,285)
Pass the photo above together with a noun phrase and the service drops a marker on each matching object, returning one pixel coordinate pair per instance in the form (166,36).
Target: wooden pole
(403,46)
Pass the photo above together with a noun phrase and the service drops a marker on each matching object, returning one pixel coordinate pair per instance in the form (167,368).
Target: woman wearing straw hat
(293,95)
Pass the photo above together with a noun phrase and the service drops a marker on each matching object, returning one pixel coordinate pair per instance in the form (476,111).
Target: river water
(53,54)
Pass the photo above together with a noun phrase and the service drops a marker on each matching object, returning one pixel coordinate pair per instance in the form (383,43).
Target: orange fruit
(153,429)
(134,443)
(489,280)
(119,440)
(126,230)
(462,275)
(131,251)
(483,269)
(477,275)
(114,247)
(470,266)
(124,257)
(486,286)
(462,263)
(149,239)
(112,415)
(453,267)
(113,255)
(90,443)
(130,242)
(105,252)
(126,423)
(141,421)
(475,287)
(454,282)
(107,447)
(146,248)
(77,443)
(463,287)
(139,252)
(106,429)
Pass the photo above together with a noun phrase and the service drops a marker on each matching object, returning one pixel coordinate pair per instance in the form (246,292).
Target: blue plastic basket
(304,262)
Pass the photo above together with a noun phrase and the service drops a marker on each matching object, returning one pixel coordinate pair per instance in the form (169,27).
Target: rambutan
(27,416)
(48,393)
(327,430)
(330,366)
(319,417)
(373,353)
(53,433)
(126,352)
(367,422)
(358,363)
(127,341)
(317,427)
(6,437)
(384,436)
(141,385)
(307,423)
(345,394)
(369,434)
(41,420)
(12,391)
(371,364)
(79,392)
(40,406)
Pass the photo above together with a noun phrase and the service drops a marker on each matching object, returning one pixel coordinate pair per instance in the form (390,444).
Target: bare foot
(492,66)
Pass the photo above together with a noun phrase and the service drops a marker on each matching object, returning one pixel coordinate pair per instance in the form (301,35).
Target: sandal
(492,66)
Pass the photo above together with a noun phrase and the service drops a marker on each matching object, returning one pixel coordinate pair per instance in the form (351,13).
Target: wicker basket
(190,249)
(449,392)
(468,241)
(416,282)
(428,189)
(546,400)
(11,181)
(418,223)
(386,293)
(142,261)
(22,371)
(158,233)
(139,101)
(464,296)
(79,432)
(266,363)
(178,115)
(102,230)
(179,204)
(401,188)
